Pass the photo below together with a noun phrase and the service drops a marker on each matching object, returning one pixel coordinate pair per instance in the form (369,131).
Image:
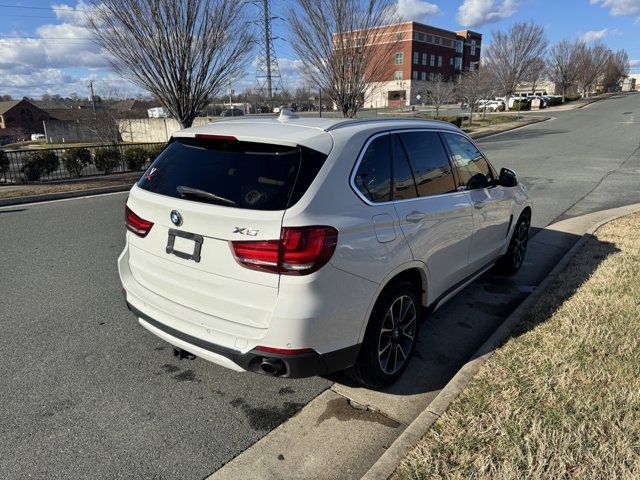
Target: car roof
(311,132)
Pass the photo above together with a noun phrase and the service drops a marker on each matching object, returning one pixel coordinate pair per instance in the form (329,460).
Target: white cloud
(57,60)
(416,10)
(473,13)
(619,8)
(594,35)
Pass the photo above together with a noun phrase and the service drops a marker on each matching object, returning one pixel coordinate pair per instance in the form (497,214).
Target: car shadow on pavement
(451,335)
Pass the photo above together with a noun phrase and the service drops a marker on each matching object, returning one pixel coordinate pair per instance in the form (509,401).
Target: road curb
(398,450)
(517,127)
(45,197)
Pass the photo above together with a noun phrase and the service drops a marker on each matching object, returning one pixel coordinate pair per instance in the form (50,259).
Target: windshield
(232,173)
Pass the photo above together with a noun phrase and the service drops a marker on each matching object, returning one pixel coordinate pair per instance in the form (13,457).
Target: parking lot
(88,393)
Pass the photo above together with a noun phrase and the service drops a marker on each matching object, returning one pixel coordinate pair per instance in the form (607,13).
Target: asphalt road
(86,392)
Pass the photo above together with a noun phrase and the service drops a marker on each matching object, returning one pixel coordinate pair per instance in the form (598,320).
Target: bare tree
(473,86)
(537,72)
(438,90)
(616,69)
(183,52)
(344,45)
(592,65)
(511,55)
(563,64)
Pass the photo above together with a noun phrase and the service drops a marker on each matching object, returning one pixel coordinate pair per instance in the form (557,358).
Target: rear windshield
(256,176)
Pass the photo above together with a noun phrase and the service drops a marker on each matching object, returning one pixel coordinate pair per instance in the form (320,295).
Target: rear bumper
(301,365)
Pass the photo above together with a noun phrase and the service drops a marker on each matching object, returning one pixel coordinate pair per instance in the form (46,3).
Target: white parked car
(294,247)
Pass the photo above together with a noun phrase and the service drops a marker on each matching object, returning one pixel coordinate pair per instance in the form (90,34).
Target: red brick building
(420,52)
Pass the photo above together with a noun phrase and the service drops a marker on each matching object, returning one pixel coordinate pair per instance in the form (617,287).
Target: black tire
(379,370)
(511,262)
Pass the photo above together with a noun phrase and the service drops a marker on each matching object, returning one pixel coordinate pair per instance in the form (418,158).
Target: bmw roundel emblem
(176,218)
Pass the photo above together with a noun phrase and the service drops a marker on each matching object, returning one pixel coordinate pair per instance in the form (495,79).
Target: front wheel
(391,337)
(511,262)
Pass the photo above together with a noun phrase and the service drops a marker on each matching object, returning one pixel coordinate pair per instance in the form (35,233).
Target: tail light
(135,224)
(300,251)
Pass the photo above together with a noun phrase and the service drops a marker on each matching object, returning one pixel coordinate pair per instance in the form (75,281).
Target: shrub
(136,157)
(106,159)
(4,163)
(39,164)
(521,104)
(572,98)
(75,159)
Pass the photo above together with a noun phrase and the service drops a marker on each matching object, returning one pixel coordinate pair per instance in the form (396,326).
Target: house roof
(6,106)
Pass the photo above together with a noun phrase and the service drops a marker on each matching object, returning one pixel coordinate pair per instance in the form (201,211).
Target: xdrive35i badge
(176,218)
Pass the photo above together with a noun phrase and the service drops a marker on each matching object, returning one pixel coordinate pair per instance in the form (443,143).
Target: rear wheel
(511,262)
(391,337)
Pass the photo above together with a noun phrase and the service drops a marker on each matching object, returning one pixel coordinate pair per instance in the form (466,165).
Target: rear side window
(429,161)
(255,176)
(373,177)
(469,162)
(404,186)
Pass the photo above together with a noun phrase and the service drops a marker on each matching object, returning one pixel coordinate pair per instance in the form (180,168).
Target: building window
(415,58)
(399,36)
(414,75)
(439,60)
(424,59)
(432,60)
(458,63)
(424,76)
(459,46)
(473,47)
(399,58)
(397,75)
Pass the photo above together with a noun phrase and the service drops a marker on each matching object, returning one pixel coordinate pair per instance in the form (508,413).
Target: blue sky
(44,48)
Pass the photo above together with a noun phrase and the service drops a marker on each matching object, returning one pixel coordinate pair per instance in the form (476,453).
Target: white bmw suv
(294,246)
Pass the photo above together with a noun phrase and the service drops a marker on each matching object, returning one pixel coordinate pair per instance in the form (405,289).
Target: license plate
(184,245)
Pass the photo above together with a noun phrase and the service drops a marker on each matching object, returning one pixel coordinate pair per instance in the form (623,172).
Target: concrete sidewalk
(345,430)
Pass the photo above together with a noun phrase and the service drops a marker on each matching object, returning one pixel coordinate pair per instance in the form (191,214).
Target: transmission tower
(267,70)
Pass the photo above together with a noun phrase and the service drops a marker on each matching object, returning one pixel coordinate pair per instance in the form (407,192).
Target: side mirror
(478,181)
(508,178)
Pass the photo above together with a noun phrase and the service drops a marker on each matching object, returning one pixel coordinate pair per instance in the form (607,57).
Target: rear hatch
(200,194)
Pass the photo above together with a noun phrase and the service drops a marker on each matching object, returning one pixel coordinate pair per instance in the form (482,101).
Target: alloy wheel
(397,334)
(521,238)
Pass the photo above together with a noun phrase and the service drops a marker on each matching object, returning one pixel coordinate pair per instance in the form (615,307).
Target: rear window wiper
(196,192)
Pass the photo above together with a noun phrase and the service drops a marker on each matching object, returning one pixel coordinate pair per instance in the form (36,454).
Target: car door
(436,220)
(492,205)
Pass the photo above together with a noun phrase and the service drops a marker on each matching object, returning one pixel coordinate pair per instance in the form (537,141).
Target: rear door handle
(415,217)
(478,205)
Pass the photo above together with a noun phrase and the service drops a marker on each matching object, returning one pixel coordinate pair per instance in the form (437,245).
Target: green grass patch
(561,399)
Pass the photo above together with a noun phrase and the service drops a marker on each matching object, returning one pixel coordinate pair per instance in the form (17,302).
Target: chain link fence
(53,164)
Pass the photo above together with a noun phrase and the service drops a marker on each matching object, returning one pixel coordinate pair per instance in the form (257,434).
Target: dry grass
(561,399)
(13,191)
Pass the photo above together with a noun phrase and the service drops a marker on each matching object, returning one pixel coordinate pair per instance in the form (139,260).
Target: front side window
(473,169)
(373,177)
(429,162)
